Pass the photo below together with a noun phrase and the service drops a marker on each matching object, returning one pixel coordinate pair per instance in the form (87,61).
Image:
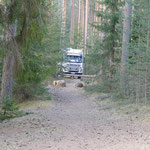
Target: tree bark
(86,26)
(7,74)
(63,23)
(125,47)
(82,17)
(79,16)
(72,24)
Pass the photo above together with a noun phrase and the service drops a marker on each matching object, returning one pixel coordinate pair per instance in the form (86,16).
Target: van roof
(74,51)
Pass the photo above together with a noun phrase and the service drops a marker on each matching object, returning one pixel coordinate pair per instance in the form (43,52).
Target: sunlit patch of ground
(35,104)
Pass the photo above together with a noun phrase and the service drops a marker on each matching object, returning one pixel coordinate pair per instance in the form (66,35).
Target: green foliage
(42,51)
(104,50)
(8,106)
(36,66)
(139,53)
(28,91)
(97,88)
(38,38)
(41,92)
(9,109)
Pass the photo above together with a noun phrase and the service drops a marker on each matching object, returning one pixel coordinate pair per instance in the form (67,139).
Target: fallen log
(81,76)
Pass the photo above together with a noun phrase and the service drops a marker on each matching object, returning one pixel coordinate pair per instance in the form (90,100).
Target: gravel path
(73,122)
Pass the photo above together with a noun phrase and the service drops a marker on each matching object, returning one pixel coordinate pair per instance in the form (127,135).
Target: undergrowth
(41,93)
(9,109)
(96,88)
(114,96)
(28,92)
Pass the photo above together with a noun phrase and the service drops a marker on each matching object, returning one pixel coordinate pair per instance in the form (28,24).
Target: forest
(114,36)
(106,106)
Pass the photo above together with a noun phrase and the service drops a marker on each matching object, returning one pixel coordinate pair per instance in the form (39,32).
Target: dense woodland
(114,35)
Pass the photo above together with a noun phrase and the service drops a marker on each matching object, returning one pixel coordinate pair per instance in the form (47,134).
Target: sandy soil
(74,121)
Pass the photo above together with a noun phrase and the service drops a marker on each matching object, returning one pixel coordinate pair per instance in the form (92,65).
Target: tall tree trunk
(7,74)
(82,16)
(91,19)
(7,77)
(64,18)
(95,17)
(86,26)
(72,24)
(125,47)
(113,32)
(79,16)
(63,23)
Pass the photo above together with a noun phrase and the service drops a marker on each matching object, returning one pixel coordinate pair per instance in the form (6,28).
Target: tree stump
(80,84)
(59,83)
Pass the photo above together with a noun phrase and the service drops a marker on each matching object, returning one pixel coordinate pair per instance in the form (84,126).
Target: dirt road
(74,121)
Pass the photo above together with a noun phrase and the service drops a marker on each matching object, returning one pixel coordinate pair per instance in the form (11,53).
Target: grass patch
(117,105)
(124,107)
(34,104)
(11,115)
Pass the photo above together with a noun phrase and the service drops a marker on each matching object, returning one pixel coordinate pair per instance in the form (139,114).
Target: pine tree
(125,46)
(108,18)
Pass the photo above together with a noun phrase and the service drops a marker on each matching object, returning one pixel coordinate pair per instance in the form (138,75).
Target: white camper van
(73,61)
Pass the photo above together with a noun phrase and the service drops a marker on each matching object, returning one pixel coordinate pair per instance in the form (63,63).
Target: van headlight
(80,69)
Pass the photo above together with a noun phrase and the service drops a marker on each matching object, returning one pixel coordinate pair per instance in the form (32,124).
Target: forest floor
(76,120)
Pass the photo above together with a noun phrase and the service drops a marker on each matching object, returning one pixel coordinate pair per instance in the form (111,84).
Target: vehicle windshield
(73,59)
